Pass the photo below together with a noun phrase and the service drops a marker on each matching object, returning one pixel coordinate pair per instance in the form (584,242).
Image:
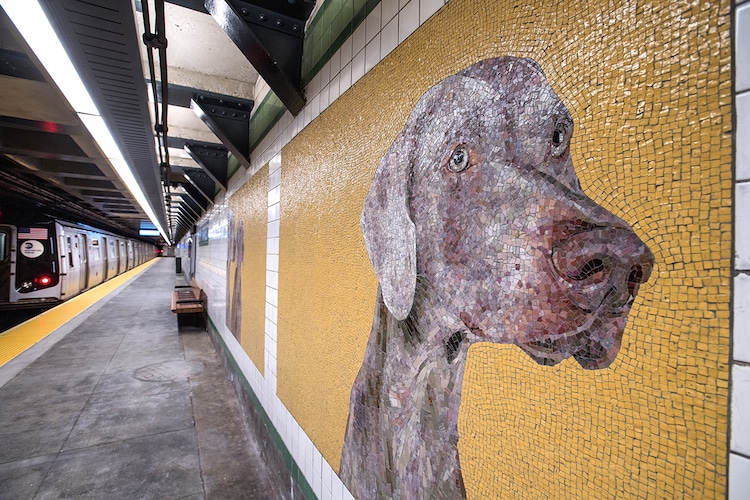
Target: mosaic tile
(648,89)
(478,231)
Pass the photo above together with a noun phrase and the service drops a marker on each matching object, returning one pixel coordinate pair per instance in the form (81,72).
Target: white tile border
(739,466)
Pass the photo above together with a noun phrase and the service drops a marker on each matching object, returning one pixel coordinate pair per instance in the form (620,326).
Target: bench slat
(187,299)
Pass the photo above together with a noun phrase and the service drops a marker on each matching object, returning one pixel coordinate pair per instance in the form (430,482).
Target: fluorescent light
(31,21)
(33,24)
(98,129)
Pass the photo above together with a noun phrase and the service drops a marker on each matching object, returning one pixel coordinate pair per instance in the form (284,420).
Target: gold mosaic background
(250,205)
(648,86)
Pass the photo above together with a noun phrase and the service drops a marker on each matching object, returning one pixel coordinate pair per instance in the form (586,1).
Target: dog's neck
(423,376)
(402,433)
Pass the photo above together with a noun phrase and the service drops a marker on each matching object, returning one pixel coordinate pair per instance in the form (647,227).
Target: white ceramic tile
(313,88)
(271,353)
(325,74)
(333,89)
(273,212)
(358,67)
(272,296)
(741,409)
(274,178)
(742,48)
(307,470)
(427,8)
(273,229)
(273,245)
(408,20)
(358,39)
(346,51)
(326,476)
(372,53)
(742,159)
(346,78)
(372,24)
(272,280)
(274,194)
(741,335)
(739,477)
(307,117)
(317,483)
(324,96)
(389,11)
(389,38)
(335,63)
(742,226)
(314,107)
(272,262)
(337,488)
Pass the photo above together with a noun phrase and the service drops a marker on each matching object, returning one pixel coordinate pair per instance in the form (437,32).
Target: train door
(73,275)
(83,252)
(105,258)
(131,257)
(122,257)
(6,238)
(63,252)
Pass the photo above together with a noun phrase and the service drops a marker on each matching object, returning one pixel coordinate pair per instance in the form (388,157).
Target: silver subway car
(52,261)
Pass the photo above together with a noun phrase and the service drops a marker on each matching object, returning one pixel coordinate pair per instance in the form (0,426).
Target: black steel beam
(229,120)
(270,34)
(213,160)
(194,194)
(203,183)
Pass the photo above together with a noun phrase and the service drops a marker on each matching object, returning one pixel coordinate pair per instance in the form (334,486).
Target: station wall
(649,91)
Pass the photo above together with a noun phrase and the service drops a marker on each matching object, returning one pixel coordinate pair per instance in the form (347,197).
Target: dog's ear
(390,234)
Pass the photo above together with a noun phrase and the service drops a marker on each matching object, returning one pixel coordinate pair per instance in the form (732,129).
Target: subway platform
(117,403)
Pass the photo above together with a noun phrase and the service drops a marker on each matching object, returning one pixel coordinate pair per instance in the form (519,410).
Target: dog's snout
(603,266)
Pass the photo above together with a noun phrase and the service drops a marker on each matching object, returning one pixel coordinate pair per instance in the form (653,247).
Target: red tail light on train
(43,280)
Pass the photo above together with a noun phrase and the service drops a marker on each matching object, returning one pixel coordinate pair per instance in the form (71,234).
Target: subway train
(43,263)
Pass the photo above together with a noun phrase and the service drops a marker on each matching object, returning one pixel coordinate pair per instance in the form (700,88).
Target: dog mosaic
(478,231)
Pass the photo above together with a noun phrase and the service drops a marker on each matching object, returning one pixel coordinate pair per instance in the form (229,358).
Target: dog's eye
(560,138)
(459,160)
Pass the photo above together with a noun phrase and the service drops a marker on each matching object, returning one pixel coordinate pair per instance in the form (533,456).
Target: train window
(3,247)
(70,252)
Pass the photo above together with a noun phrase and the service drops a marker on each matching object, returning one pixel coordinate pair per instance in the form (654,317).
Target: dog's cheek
(461,217)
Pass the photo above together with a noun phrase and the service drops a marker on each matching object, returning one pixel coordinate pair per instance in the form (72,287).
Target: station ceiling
(183,140)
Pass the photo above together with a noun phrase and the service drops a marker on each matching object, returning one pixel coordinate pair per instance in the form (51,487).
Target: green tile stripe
(269,111)
(275,436)
(332,25)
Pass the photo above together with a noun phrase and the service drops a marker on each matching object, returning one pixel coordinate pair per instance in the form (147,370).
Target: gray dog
(478,231)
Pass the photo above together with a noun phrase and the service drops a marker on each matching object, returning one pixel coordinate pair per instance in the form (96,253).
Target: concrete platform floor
(125,406)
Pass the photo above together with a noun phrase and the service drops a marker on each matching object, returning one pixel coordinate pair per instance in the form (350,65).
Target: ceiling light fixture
(33,24)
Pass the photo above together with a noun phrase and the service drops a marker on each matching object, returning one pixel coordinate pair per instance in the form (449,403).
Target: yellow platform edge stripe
(19,338)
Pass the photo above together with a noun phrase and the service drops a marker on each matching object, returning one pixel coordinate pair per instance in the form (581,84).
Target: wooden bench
(189,303)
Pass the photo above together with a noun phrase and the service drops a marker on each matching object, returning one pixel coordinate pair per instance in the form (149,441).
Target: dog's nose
(603,267)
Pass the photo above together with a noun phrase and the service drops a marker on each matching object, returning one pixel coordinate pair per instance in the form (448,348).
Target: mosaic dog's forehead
(489,97)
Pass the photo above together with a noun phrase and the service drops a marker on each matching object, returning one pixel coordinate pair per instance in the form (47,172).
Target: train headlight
(26,286)
(44,280)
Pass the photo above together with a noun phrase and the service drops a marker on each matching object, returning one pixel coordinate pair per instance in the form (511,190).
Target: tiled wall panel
(669,385)
(625,93)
